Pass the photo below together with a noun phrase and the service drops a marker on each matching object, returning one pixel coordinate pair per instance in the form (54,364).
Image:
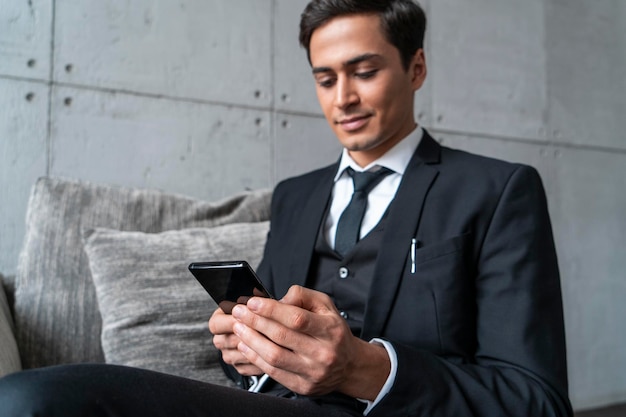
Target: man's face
(363,89)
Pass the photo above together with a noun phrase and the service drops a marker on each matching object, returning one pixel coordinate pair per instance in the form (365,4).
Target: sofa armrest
(9,355)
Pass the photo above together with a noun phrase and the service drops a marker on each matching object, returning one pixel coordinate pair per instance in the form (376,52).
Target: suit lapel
(404,217)
(310,220)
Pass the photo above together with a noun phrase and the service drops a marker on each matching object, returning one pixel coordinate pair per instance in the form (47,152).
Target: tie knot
(365,181)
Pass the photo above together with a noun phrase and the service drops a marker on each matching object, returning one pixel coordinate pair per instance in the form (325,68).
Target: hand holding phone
(229,282)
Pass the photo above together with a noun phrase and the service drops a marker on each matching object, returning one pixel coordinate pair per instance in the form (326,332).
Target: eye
(364,75)
(325,82)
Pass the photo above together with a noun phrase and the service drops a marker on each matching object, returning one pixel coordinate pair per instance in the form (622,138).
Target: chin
(360,145)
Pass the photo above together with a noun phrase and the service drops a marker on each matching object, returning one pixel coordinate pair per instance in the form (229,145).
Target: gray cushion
(9,356)
(154,312)
(56,314)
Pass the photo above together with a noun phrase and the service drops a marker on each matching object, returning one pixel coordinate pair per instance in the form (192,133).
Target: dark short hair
(403,21)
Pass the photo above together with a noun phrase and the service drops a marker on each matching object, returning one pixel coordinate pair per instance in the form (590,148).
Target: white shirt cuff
(393,358)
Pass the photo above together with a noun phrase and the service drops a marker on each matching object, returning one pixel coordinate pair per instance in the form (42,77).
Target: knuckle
(229,358)
(274,358)
(299,320)
(218,342)
(231,341)
(317,378)
(310,387)
(307,389)
(295,291)
(326,359)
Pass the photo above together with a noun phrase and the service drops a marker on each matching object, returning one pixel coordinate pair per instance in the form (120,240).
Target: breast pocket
(436,296)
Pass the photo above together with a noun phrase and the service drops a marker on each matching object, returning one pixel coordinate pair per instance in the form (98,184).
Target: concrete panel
(541,157)
(303,144)
(210,50)
(25,38)
(195,149)
(294,88)
(586,63)
(488,67)
(424,96)
(590,227)
(294,85)
(23,126)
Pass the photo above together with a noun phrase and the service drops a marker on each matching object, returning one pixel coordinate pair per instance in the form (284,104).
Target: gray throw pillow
(56,313)
(154,313)
(9,356)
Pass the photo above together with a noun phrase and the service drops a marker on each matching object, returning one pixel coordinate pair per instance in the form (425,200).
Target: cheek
(393,104)
(380,95)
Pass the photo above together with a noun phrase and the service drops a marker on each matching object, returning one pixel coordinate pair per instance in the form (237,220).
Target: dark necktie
(349,225)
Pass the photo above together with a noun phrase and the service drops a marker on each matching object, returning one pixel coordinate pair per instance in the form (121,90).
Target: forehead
(345,37)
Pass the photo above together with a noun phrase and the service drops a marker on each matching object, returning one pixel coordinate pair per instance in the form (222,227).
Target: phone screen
(228,283)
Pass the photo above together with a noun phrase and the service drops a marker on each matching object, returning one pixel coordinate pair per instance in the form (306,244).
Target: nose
(345,94)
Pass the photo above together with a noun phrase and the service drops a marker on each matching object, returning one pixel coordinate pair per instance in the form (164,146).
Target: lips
(352,123)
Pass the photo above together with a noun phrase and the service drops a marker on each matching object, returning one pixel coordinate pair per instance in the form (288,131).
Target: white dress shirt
(396,159)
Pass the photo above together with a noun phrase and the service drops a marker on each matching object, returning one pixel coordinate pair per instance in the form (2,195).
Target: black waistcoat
(347,280)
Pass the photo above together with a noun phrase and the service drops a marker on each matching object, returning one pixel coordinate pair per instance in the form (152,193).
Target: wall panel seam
(50,86)
(528,141)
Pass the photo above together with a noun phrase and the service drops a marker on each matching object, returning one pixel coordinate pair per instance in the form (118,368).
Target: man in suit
(449,303)
(443,299)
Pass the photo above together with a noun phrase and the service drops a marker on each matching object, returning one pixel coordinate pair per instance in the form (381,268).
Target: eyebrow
(352,61)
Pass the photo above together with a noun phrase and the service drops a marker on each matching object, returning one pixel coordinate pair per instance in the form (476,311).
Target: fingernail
(242,347)
(254,304)
(237,312)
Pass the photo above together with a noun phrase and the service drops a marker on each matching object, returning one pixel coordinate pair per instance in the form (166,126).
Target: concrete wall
(211,97)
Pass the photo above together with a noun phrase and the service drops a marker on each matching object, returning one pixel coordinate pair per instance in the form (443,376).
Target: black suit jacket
(478,328)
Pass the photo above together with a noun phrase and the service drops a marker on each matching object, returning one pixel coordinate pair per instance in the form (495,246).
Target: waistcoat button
(343,314)
(343,272)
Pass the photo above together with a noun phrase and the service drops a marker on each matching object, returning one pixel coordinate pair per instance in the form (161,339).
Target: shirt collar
(395,159)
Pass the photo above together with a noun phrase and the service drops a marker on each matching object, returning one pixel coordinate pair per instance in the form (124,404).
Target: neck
(366,156)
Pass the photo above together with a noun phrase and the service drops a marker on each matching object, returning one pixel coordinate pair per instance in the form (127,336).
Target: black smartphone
(229,282)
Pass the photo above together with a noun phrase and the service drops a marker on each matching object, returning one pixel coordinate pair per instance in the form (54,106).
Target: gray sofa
(102,277)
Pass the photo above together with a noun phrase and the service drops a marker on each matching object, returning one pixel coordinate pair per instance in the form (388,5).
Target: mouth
(352,123)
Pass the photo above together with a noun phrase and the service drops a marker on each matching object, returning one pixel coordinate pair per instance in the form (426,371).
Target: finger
(248,370)
(308,299)
(262,352)
(284,325)
(291,316)
(279,369)
(221,323)
(313,323)
(242,364)
(280,362)
(226,341)
(234,357)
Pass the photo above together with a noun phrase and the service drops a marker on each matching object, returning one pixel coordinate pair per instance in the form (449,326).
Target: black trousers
(109,390)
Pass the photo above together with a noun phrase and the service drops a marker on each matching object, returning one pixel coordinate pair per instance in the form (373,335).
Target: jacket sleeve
(519,368)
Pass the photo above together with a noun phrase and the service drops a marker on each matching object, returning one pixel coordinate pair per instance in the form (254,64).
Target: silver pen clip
(413,247)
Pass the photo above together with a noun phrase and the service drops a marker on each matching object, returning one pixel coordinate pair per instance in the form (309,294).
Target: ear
(418,69)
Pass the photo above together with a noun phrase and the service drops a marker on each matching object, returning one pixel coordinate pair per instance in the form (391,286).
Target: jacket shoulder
(303,183)
(467,163)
